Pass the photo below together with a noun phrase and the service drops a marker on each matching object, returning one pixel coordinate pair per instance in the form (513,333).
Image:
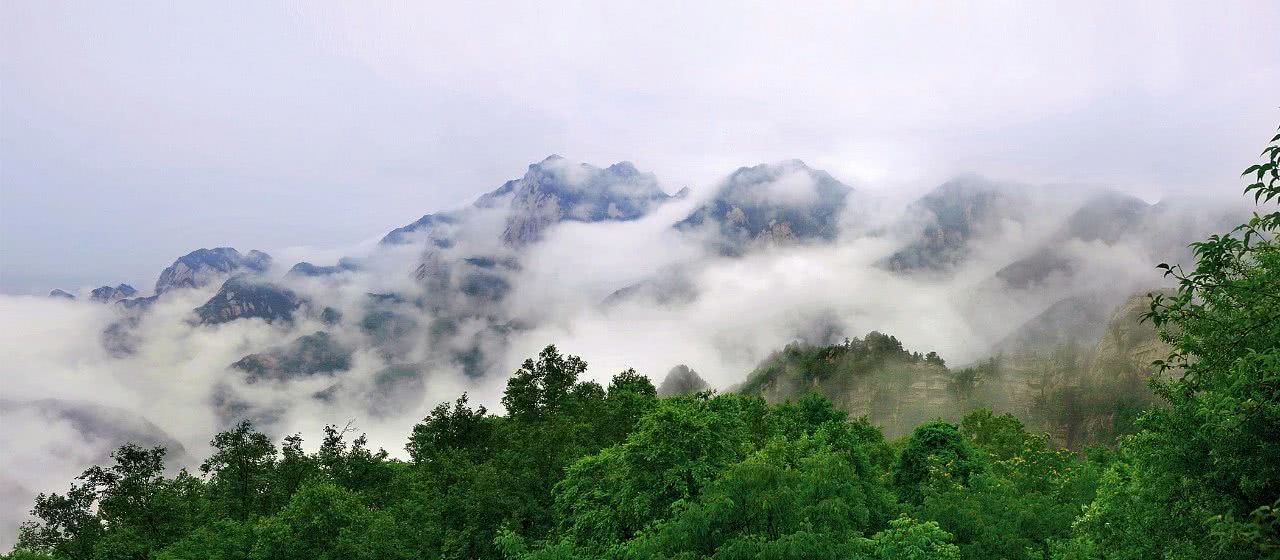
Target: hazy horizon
(129,137)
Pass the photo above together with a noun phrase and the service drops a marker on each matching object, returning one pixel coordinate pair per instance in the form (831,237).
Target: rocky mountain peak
(203,266)
(306,269)
(241,297)
(1105,216)
(423,224)
(556,190)
(550,191)
(952,214)
(109,294)
(316,353)
(772,203)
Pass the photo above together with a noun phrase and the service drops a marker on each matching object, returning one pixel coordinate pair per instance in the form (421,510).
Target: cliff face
(897,395)
(1087,391)
(1127,346)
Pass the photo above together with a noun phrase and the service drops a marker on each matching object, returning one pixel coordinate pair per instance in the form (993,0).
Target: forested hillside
(573,469)
(576,470)
(1080,394)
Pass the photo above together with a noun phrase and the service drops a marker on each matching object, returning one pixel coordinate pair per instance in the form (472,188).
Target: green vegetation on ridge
(1081,396)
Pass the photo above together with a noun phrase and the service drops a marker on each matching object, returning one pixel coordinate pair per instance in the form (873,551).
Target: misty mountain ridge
(241,297)
(552,191)
(316,353)
(1076,387)
(462,303)
(307,269)
(784,203)
(1107,217)
(950,216)
(202,266)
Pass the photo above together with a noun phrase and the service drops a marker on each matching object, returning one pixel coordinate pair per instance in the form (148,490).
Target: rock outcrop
(551,191)
(682,380)
(1127,346)
(108,294)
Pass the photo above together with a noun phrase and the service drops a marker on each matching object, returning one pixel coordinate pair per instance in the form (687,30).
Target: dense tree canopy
(574,470)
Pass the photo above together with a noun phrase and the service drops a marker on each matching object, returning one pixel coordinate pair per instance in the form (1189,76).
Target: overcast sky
(132,134)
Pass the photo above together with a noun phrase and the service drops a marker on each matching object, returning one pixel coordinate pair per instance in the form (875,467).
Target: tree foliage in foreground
(1201,479)
(575,470)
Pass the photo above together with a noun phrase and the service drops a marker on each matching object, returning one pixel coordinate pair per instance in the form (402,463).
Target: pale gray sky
(131,133)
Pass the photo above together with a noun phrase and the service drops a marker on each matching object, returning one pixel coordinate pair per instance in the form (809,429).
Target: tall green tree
(550,419)
(542,385)
(322,522)
(630,397)
(241,471)
(936,453)
(126,510)
(64,525)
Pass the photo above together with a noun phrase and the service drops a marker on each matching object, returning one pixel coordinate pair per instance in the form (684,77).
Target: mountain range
(450,274)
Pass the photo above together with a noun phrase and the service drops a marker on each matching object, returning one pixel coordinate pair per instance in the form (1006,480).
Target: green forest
(576,470)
